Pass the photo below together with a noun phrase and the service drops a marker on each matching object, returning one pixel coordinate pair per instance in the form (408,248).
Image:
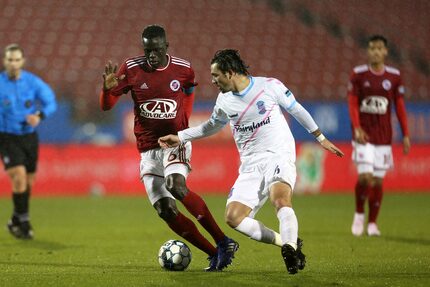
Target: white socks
(257,231)
(288,226)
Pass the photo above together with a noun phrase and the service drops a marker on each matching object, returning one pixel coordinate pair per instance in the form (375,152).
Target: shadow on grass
(105,267)
(45,245)
(400,239)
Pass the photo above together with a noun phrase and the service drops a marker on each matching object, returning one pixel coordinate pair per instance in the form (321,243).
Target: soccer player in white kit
(252,106)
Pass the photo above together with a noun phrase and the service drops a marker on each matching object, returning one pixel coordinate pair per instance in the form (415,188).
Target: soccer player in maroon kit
(372,90)
(162,87)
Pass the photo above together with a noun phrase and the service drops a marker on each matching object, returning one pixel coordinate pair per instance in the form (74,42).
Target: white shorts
(254,182)
(374,159)
(156,164)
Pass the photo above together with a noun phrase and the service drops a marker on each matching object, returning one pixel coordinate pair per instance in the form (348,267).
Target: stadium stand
(311,45)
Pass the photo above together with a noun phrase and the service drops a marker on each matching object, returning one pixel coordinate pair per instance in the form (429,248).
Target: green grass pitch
(114,241)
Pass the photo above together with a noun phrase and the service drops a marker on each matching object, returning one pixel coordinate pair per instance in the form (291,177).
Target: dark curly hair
(374,38)
(153,31)
(229,60)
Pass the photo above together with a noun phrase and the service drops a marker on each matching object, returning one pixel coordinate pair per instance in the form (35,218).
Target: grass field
(114,241)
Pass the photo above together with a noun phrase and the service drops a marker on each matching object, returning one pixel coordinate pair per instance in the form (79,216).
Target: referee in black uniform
(25,100)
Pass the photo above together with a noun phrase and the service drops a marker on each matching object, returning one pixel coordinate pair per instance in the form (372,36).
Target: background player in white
(252,106)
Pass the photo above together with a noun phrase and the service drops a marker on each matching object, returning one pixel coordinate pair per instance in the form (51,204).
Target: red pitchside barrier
(80,170)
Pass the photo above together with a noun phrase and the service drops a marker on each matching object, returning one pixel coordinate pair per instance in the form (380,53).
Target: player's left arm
(188,88)
(46,97)
(287,100)
(399,103)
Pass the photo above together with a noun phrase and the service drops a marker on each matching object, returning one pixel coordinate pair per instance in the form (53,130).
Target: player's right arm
(354,110)
(286,99)
(214,124)
(112,85)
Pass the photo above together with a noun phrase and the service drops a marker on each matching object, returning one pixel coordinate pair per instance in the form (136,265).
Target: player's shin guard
(185,228)
(375,199)
(257,231)
(198,208)
(361,193)
(288,226)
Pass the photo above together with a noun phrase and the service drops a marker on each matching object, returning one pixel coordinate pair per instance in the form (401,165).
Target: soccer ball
(174,255)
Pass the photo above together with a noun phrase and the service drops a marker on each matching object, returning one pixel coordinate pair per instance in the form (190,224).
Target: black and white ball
(174,255)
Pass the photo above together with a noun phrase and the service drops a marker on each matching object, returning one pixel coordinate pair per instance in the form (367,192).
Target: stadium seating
(68,42)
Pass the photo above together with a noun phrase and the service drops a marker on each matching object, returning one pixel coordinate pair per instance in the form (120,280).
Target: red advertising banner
(80,170)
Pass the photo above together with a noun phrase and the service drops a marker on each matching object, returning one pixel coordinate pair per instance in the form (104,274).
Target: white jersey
(256,120)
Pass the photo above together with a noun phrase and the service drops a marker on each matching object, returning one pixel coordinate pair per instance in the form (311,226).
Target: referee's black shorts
(19,150)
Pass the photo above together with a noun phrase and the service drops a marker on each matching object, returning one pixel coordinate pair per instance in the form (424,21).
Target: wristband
(320,138)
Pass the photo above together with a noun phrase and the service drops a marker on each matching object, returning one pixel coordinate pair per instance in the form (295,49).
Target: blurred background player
(25,101)
(162,90)
(372,91)
(252,106)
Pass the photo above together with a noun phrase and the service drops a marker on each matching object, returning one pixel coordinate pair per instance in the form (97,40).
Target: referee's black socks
(21,203)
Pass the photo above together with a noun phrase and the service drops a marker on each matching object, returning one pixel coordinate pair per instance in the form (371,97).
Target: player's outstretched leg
(226,246)
(198,208)
(184,227)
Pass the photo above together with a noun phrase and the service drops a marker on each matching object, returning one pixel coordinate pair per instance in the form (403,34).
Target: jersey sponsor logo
(374,105)
(160,109)
(386,84)
(233,115)
(144,86)
(252,127)
(175,85)
(261,107)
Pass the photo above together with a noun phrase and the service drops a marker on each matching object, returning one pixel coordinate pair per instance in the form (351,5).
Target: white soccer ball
(174,255)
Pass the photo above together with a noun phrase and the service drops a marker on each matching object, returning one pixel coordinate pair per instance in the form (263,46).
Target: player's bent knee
(18,178)
(166,209)
(282,202)
(233,220)
(365,179)
(168,213)
(175,184)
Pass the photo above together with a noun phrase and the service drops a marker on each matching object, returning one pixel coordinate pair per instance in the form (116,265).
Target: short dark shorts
(19,150)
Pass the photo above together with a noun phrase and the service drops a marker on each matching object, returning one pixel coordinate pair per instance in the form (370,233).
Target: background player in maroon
(372,91)
(161,87)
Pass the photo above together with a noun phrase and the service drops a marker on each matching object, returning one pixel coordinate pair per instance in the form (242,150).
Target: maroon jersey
(375,94)
(161,106)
